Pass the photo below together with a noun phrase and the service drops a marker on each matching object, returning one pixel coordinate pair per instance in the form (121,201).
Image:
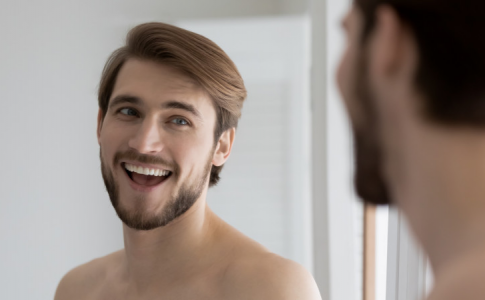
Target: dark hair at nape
(451,66)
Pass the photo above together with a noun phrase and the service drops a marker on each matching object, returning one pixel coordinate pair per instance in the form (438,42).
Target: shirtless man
(169,103)
(413,80)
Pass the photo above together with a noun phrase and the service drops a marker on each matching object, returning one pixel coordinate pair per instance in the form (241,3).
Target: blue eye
(128,111)
(180,121)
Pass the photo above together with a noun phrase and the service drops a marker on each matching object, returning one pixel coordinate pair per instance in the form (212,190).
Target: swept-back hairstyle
(451,66)
(193,54)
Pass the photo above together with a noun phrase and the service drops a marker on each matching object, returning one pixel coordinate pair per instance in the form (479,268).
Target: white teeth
(146,171)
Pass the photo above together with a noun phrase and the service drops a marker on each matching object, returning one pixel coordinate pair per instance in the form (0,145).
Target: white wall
(295,6)
(54,212)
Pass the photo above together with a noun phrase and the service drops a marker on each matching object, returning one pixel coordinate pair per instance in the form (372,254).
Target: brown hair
(451,67)
(197,56)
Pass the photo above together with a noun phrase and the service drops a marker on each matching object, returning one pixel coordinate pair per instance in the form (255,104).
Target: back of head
(191,53)
(451,67)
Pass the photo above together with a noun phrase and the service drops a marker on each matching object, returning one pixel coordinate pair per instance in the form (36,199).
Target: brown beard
(368,179)
(183,200)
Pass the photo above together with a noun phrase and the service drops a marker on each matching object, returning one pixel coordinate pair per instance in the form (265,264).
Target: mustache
(133,155)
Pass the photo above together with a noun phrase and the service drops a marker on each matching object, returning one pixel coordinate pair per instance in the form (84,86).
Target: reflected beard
(369,181)
(137,218)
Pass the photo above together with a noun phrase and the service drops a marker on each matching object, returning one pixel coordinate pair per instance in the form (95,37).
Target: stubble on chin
(138,218)
(368,179)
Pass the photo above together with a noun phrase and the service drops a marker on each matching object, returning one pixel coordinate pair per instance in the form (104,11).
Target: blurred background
(288,183)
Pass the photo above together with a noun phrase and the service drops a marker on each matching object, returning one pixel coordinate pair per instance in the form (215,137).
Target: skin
(434,173)
(196,256)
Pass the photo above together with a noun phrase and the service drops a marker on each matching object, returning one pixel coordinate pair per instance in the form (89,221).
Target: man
(169,103)
(413,80)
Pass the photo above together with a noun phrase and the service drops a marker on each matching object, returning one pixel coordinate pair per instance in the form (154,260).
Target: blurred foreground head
(429,52)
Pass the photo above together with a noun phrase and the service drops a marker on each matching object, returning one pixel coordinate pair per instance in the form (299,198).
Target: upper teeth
(146,171)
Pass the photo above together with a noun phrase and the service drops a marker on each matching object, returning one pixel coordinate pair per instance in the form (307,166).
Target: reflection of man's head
(448,75)
(169,103)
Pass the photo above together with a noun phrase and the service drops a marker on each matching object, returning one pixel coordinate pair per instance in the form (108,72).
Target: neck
(439,183)
(174,249)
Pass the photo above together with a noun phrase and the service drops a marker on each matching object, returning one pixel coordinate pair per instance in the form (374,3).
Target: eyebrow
(167,105)
(124,99)
(184,106)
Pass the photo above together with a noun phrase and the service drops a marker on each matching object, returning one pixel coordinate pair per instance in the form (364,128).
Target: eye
(128,111)
(179,121)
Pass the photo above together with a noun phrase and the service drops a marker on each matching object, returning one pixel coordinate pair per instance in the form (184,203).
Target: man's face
(156,144)
(359,99)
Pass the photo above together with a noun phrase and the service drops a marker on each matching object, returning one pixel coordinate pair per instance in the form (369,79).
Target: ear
(100,124)
(224,147)
(390,44)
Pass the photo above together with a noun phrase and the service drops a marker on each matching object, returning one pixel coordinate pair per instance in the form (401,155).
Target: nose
(147,138)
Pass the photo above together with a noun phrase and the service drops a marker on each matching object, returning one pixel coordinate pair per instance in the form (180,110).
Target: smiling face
(157,144)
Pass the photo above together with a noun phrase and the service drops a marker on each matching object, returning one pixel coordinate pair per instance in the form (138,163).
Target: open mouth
(145,176)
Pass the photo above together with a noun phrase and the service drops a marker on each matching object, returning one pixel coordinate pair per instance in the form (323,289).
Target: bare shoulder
(79,282)
(252,272)
(471,288)
(464,282)
(265,275)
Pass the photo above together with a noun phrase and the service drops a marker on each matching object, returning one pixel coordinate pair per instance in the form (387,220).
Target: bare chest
(200,290)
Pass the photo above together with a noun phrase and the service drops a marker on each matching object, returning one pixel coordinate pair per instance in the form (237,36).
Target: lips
(146,170)
(144,179)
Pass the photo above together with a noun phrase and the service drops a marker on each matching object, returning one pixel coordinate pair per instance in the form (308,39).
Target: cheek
(191,151)
(107,151)
(346,82)
(351,77)
(344,76)
(110,139)
(341,72)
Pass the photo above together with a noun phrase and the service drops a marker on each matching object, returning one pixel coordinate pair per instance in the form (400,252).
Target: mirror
(55,212)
